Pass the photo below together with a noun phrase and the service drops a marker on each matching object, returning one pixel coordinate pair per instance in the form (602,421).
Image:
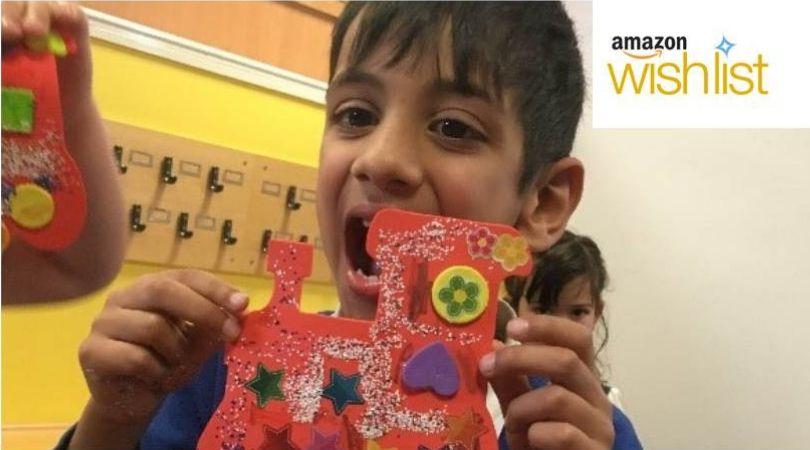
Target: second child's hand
(572,412)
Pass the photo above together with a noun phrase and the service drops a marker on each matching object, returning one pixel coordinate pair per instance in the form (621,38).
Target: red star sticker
(465,429)
(277,439)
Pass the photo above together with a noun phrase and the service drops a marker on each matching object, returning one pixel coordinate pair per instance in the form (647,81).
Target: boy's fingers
(101,357)
(507,386)
(69,17)
(143,328)
(198,315)
(554,403)
(36,21)
(13,13)
(553,331)
(212,288)
(558,436)
(559,365)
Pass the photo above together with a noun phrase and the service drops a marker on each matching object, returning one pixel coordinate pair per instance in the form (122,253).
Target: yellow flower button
(31,206)
(460,294)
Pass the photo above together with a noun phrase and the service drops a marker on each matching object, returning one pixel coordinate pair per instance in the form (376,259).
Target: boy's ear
(549,203)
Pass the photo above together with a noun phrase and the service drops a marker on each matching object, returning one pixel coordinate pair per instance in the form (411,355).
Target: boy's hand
(29,20)
(152,337)
(572,412)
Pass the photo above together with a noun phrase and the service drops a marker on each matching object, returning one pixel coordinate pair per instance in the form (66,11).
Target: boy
(453,109)
(96,255)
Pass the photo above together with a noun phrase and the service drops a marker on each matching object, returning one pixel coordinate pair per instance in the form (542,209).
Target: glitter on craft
(511,251)
(460,294)
(266,385)
(480,243)
(342,391)
(432,368)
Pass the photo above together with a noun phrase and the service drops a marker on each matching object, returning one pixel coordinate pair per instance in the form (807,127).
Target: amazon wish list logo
(669,65)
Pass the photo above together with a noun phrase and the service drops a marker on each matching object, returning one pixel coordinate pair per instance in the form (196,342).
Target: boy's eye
(455,129)
(354,117)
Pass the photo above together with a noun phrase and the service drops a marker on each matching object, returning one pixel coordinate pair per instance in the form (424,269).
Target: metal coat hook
(118,151)
(227,233)
(266,236)
(135,219)
(292,203)
(166,170)
(182,227)
(213,180)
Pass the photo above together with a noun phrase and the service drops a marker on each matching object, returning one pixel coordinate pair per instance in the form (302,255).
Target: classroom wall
(293,35)
(42,381)
(705,234)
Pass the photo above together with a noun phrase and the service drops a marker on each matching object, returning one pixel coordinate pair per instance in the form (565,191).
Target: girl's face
(575,303)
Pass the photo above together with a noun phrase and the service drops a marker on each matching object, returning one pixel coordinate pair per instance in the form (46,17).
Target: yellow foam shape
(460,294)
(31,206)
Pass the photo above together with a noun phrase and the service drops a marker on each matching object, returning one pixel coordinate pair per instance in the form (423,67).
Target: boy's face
(402,137)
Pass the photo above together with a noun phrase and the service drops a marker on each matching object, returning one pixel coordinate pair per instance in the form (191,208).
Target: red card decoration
(42,190)
(408,379)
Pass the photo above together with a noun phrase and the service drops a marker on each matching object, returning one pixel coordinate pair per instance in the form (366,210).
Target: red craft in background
(43,195)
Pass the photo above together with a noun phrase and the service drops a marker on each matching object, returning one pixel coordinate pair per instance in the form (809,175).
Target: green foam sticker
(51,42)
(18,110)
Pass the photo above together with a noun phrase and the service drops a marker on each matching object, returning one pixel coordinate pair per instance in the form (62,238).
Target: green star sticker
(342,390)
(266,385)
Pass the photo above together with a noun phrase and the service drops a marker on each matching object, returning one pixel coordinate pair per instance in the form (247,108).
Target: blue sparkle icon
(725,46)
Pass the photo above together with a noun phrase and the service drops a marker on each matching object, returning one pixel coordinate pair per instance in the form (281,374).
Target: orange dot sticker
(460,294)
(31,206)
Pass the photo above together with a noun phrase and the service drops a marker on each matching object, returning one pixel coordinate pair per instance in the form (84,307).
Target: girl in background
(568,282)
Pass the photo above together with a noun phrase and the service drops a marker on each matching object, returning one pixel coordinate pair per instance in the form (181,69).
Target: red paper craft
(407,379)
(43,194)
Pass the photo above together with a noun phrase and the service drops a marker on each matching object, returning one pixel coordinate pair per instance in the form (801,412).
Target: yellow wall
(41,377)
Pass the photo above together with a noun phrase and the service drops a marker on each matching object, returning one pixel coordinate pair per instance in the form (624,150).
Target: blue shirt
(182,417)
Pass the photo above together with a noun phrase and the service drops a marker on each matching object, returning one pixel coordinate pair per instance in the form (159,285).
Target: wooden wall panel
(291,35)
(254,199)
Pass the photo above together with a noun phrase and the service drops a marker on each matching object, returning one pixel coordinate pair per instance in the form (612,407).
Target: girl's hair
(572,257)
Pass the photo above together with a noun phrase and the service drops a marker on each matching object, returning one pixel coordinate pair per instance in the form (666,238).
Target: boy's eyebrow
(445,86)
(353,75)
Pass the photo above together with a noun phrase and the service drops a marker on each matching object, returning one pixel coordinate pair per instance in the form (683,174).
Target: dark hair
(573,256)
(528,48)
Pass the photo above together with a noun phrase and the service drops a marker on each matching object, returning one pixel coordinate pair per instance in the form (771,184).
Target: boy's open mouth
(363,271)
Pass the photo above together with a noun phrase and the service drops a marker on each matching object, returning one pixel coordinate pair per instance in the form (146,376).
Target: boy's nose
(391,163)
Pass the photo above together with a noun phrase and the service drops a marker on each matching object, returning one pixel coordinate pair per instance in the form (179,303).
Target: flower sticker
(480,243)
(511,251)
(460,294)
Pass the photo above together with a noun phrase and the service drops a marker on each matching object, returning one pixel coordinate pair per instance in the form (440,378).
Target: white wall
(706,234)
